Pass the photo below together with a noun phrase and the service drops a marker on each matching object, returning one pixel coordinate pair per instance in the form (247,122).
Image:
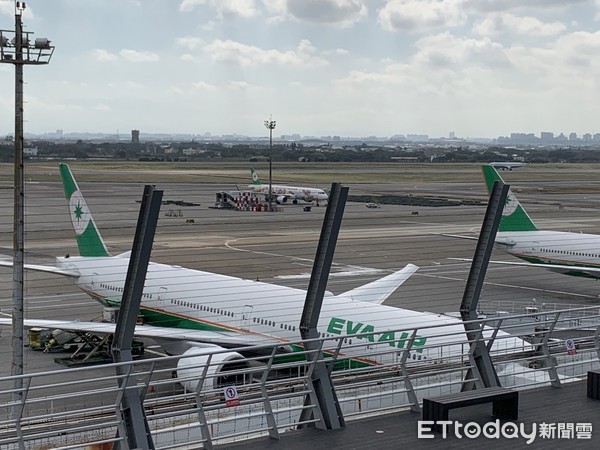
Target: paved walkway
(566,405)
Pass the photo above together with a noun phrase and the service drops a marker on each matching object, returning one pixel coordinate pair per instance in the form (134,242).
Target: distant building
(546,136)
(135,136)
(30,151)
(417,137)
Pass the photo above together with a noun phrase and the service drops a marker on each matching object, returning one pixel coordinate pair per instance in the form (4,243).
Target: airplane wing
(223,339)
(379,290)
(460,236)
(501,241)
(592,272)
(40,268)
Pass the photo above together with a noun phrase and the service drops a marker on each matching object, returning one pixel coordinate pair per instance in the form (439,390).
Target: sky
(353,68)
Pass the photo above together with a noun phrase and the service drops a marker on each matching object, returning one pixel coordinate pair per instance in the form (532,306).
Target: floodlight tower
(20,50)
(270,124)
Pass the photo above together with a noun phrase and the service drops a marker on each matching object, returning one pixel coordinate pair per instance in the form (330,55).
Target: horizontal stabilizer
(379,290)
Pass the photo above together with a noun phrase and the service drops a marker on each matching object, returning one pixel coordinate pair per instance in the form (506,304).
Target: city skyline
(478,68)
(135,136)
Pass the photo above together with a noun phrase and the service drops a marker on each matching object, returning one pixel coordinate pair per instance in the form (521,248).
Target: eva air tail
(89,241)
(514,216)
(254,176)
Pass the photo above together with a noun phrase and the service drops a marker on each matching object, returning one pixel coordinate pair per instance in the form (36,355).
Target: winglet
(514,216)
(89,241)
(379,290)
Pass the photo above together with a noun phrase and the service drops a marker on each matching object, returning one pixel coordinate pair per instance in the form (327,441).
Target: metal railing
(79,407)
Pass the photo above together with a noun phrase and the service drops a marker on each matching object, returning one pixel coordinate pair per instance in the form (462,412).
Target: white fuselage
(506,165)
(553,247)
(185,298)
(293,192)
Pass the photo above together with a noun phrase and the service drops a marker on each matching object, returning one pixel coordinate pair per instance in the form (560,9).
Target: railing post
(410,391)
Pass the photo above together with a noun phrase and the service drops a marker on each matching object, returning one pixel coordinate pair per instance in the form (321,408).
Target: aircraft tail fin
(89,241)
(514,216)
(379,290)
(254,176)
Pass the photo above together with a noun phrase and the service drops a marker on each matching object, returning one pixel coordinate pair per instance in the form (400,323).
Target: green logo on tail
(514,216)
(254,175)
(89,241)
(80,216)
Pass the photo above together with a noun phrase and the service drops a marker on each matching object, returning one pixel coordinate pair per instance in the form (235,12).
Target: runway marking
(527,288)
(346,270)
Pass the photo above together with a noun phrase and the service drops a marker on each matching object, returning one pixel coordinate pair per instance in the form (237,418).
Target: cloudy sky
(480,68)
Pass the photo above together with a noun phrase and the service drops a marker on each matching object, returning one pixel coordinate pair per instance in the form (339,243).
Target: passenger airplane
(191,313)
(506,165)
(283,193)
(565,252)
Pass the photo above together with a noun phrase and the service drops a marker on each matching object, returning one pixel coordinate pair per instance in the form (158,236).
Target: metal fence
(207,397)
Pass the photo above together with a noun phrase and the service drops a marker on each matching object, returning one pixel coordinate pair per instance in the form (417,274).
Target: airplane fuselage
(506,165)
(553,247)
(293,192)
(172,298)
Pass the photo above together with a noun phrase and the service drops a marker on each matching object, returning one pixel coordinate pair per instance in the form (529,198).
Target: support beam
(132,410)
(320,379)
(468,308)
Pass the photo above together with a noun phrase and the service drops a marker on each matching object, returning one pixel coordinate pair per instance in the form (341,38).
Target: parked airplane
(191,312)
(282,193)
(565,252)
(506,165)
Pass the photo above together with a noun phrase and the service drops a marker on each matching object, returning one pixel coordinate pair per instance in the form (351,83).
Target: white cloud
(138,56)
(342,13)
(102,107)
(190,42)
(238,85)
(249,55)
(174,90)
(226,9)
(483,67)
(203,86)
(189,5)
(499,23)
(7,8)
(421,14)
(506,5)
(103,55)
(450,68)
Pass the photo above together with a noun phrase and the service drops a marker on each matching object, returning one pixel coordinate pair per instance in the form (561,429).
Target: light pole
(20,51)
(270,124)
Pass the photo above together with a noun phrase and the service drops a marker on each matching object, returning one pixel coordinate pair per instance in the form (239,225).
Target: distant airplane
(506,165)
(282,193)
(191,313)
(576,254)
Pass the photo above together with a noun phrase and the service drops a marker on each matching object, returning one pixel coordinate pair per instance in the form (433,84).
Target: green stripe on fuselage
(163,319)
